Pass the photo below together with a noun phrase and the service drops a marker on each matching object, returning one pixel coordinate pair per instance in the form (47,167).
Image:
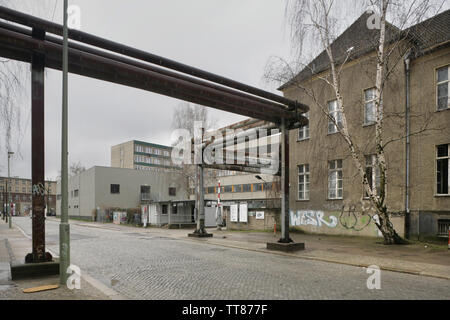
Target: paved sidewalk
(418,258)
(13,247)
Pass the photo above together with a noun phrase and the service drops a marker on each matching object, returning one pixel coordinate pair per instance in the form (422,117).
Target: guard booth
(172,213)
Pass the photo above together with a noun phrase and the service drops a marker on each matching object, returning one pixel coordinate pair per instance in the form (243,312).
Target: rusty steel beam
(106,69)
(240,168)
(34,22)
(37,155)
(141,65)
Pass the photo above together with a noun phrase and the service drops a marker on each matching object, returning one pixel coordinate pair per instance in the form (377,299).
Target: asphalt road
(144,265)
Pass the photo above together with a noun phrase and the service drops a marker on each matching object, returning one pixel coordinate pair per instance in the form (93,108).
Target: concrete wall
(122,155)
(271,216)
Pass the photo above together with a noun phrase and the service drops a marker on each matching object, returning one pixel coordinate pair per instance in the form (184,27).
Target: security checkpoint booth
(171,213)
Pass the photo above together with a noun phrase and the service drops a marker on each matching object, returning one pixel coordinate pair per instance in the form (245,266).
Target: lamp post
(8,207)
(64,227)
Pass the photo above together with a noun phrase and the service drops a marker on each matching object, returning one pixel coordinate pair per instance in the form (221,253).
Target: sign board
(234,213)
(243,212)
(119,217)
(259,215)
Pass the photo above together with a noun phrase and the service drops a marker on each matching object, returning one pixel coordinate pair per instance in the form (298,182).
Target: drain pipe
(407,61)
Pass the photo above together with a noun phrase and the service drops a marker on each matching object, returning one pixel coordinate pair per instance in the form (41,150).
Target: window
(268,186)
(442,168)
(247,188)
(369,107)
(303,132)
(335,190)
(336,115)
(172,192)
(145,193)
(257,187)
(139,148)
(164,209)
(115,188)
(227,188)
(75,193)
(373,174)
(174,209)
(210,190)
(443,84)
(443,227)
(303,182)
(237,188)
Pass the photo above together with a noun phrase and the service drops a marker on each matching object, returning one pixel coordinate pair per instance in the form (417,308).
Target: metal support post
(284,184)
(38,253)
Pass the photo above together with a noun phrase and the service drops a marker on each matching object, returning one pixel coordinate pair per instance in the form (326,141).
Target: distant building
(141,155)
(104,188)
(20,189)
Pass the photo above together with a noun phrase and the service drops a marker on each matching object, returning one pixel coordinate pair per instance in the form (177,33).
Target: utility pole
(64,227)
(8,207)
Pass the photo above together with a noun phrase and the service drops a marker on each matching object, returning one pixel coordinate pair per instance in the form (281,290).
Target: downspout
(407,146)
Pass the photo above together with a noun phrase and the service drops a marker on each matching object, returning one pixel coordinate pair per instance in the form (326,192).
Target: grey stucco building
(105,187)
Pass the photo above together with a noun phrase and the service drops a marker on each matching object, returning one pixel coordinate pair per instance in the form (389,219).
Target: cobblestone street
(145,265)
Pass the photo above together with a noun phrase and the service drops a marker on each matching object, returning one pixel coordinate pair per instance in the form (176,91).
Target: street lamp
(64,227)
(8,208)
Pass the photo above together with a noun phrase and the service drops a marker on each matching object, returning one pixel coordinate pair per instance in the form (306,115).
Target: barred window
(115,188)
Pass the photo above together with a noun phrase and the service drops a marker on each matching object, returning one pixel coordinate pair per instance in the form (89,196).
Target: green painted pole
(8,208)
(64,227)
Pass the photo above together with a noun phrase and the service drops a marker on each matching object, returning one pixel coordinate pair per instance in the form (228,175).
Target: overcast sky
(232,38)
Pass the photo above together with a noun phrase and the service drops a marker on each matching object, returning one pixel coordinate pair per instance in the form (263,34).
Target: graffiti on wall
(350,219)
(312,218)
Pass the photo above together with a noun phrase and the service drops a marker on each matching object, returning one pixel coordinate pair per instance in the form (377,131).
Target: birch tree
(184,117)
(314,25)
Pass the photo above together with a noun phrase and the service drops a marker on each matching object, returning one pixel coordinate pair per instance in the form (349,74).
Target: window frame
(374,174)
(334,115)
(111,188)
(336,170)
(305,173)
(437,83)
(366,124)
(303,129)
(448,170)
